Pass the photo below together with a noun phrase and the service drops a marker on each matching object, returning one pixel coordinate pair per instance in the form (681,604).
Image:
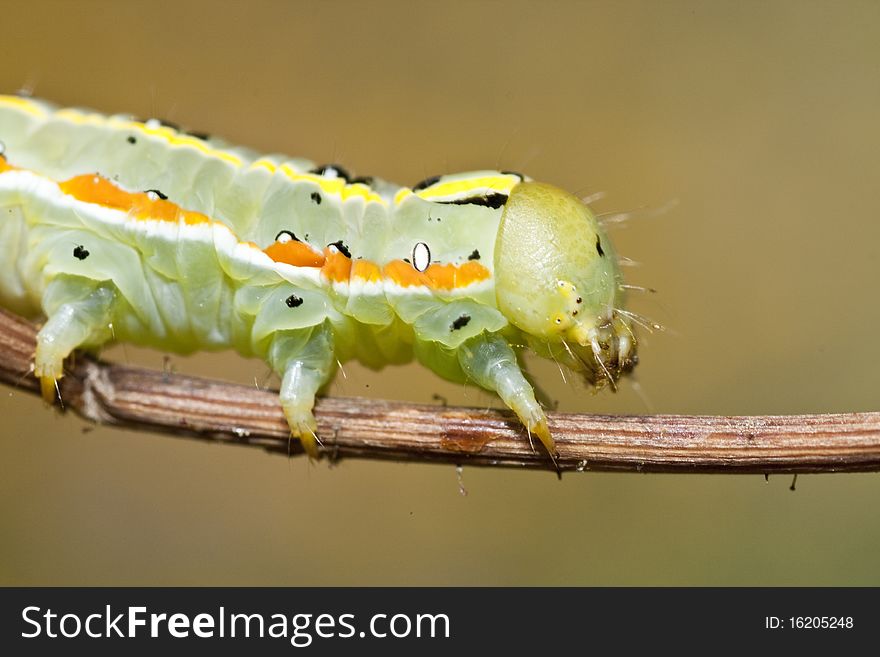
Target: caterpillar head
(557,279)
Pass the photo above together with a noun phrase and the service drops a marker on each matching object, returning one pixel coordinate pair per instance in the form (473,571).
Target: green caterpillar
(115,228)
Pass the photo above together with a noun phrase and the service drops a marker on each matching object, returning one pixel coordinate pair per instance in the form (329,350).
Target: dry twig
(212,410)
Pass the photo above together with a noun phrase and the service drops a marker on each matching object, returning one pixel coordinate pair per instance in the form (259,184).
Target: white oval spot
(284,237)
(153,196)
(421,256)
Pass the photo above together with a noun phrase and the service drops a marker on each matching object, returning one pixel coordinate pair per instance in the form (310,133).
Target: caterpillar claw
(535,422)
(48,388)
(48,369)
(304,428)
(542,431)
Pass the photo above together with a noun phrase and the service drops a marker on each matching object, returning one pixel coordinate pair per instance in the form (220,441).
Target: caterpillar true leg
(73,323)
(305,361)
(492,364)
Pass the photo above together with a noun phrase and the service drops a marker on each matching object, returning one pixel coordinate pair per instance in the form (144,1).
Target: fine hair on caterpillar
(114,228)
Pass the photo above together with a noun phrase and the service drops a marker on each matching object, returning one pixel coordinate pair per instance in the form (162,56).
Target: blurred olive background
(759,119)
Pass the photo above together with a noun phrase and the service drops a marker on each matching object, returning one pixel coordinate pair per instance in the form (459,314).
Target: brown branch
(212,410)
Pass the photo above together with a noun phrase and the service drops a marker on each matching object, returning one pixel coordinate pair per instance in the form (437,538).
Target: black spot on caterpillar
(131,139)
(331,171)
(460,322)
(599,247)
(475,255)
(340,246)
(490,201)
(168,124)
(162,196)
(514,173)
(165,123)
(293,301)
(362,180)
(316,197)
(204,136)
(80,252)
(427,182)
(289,235)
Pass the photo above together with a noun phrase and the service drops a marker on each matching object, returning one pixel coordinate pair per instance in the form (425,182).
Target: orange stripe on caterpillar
(436,276)
(449,276)
(337,266)
(293,252)
(366,271)
(92,188)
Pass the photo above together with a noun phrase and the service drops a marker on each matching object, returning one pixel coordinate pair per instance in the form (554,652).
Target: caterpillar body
(113,228)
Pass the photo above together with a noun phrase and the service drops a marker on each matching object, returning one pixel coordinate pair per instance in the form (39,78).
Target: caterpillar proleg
(113,228)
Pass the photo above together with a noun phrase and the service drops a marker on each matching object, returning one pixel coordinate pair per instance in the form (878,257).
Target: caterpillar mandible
(115,228)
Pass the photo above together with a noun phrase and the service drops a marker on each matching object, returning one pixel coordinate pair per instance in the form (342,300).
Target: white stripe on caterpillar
(181,242)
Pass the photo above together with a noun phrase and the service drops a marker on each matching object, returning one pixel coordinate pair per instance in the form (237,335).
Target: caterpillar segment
(114,228)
